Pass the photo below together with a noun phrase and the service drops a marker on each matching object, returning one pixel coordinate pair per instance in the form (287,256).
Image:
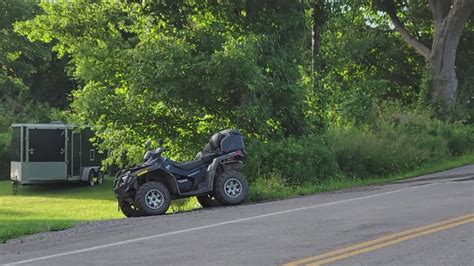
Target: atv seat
(206,156)
(188,165)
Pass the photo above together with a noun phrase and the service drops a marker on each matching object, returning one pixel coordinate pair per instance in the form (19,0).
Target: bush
(460,138)
(399,142)
(267,187)
(306,159)
(365,153)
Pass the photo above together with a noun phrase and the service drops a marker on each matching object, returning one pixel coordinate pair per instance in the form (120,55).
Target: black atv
(214,176)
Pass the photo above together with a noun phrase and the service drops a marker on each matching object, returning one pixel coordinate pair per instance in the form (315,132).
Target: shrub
(364,152)
(397,141)
(460,138)
(306,159)
(269,186)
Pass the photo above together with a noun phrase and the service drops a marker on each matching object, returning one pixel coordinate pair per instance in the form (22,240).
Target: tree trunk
(449,21)
(444,82)
(449,17)
(319,18)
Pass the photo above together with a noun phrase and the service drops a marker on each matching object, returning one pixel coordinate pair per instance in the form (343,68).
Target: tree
(180,71)
(31,80)
(449,19)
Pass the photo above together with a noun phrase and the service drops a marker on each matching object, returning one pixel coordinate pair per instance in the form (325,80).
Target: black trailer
(44,153)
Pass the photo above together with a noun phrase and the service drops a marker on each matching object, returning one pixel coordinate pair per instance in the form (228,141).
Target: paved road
(424,221)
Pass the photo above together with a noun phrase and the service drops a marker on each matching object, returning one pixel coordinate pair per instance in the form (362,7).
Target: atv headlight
(123,179)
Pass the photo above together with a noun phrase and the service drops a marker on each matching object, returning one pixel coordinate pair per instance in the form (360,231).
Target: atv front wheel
(153,198)
(129,210)
(231,188)
(208,201)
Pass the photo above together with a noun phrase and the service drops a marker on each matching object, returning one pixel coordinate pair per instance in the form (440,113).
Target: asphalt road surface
(423,221)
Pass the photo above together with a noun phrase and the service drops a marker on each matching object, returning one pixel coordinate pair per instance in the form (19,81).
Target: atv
(214,176)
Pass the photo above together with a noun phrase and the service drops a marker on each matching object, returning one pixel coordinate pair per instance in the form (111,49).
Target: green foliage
(464,69)
(361,66)
(460,138)
(31,79)
(399,141)
(180,79)
(306,159)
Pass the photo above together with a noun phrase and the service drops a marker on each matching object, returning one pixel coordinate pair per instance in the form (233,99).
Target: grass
(60,206)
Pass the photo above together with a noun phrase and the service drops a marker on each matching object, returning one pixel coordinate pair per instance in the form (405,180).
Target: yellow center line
(384,241)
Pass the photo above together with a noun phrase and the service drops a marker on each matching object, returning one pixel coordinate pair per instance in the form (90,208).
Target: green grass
(60,206)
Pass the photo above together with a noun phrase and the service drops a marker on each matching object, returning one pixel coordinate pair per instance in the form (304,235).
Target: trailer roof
(46,126)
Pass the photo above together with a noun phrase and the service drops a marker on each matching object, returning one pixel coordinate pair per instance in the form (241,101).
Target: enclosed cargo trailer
(44,153)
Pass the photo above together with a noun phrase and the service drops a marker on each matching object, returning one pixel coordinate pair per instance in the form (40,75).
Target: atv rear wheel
(208,201)
(153,198)
(231,187)
(129,210)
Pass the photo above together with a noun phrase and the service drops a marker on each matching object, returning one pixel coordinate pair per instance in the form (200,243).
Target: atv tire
(230,187)
(129,210)
(208,201)
(153,198)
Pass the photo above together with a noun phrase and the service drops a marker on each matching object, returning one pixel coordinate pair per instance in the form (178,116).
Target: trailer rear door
(46,148)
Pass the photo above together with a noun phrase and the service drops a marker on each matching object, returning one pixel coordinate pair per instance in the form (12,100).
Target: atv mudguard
(220,161)
(162,175)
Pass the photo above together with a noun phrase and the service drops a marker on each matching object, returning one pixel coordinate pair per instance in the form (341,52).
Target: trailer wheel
(100,178)
(92,179)
(15,187)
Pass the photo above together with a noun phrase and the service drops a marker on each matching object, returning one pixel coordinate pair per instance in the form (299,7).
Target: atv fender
(160,175)
(212,168)
(232,165)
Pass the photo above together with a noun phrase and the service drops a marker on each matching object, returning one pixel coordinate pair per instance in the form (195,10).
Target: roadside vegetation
(388,147)
(328,94)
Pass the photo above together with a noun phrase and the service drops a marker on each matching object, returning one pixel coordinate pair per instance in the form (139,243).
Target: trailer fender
(86,170)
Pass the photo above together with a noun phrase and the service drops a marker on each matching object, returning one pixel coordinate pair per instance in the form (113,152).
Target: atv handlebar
(160,150)
(152,155)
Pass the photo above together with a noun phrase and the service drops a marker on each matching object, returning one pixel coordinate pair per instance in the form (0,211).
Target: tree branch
(389,7)
(459,14)
(440,8)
